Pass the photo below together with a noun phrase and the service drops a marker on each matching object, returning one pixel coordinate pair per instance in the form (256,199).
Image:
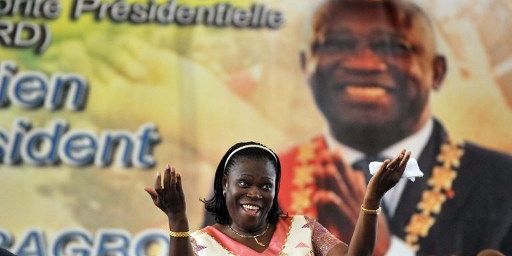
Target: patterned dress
(297,235)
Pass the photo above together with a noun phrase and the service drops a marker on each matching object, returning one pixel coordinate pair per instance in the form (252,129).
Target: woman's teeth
(249,207)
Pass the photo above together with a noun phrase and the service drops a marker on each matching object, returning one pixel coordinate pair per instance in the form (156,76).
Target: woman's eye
(267,187)
(243,183)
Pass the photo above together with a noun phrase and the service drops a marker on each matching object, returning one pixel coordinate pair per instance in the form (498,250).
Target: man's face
(373,67)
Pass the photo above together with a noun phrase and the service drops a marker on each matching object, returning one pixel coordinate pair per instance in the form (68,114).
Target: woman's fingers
(384,167)
(167,193)
(390,173)
(179,188)
(396,161)
(405,159)
(172,183)
(396,171)
(152,193)
(158,183)
(403,163)
(167,176)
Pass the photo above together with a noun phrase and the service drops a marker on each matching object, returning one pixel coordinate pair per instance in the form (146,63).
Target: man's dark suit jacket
(479,216)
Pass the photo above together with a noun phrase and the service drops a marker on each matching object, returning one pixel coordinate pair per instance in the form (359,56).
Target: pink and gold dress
(298,235)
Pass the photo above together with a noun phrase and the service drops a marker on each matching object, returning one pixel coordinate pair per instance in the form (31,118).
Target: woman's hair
(253,150)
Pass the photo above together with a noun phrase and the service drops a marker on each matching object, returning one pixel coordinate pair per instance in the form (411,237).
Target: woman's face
(250,190)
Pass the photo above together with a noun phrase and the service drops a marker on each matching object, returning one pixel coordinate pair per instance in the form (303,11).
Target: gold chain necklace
(438,192)
(249,236)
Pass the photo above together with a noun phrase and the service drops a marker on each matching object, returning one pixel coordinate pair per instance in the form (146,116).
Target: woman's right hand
(169,196)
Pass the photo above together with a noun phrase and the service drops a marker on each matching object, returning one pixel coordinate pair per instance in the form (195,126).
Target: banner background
(206,88)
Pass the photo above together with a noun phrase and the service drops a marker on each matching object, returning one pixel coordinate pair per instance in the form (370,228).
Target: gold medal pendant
(258,242)
(252,236)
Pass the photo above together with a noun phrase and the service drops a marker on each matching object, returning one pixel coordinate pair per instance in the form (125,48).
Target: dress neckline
(274,247)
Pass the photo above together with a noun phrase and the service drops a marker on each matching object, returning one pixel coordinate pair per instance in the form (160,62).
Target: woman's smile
(251,209)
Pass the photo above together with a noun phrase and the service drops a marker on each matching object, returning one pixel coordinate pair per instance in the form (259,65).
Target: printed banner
(97,96)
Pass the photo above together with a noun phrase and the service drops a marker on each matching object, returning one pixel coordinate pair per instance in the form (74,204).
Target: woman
(247,213)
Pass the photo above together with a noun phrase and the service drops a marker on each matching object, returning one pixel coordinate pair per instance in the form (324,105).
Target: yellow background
(206,88)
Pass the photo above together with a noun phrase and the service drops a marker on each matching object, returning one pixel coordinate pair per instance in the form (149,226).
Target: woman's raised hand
(388,175)
(169,196)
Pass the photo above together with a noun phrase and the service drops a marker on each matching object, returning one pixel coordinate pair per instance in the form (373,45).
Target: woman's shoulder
(293,216)
(298,221)
(207,230)
(299,217)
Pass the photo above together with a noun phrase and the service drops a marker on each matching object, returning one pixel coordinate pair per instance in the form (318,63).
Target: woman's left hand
(387,176)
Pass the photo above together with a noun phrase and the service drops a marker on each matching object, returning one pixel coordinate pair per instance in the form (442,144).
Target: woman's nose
(254,193)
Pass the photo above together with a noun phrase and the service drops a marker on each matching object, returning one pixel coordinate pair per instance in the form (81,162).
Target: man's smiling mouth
(343,85)
(366,93)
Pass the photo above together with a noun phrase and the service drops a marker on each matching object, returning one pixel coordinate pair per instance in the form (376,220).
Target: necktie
(363,165)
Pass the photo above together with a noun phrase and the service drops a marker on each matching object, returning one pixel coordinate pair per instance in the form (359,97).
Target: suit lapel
(413,190)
